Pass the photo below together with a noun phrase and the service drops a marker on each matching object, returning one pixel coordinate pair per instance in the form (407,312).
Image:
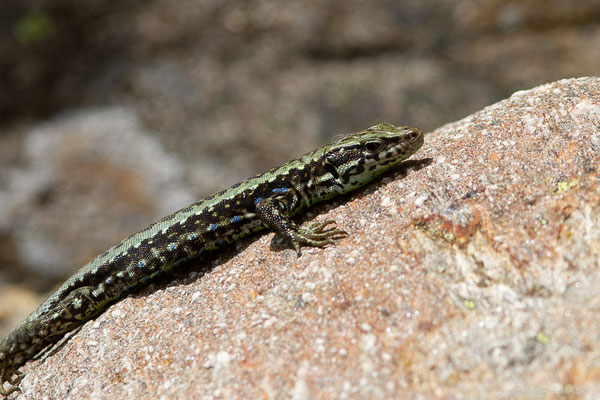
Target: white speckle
(419,201)
(325,273)
(320,345)
(368,341)
(343,352)
(230,287)
(490,190)
(116,313)
(498,238)
(519,93)
(455,177)
(386,202)
(308,297)
(222,359)
(365,327)
(301,391)
(196,296)
(270,322)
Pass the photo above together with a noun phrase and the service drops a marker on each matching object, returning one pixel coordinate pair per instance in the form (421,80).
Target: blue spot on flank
(201,251)
(171,246)
(221,242)
(281,190)
(141,263)
(258,200)
(212,227)
(192,236)
(236,219)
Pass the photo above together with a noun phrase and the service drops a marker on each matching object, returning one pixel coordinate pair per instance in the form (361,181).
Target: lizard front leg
(273,213)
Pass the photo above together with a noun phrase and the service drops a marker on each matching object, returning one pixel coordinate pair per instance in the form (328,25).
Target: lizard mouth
(403,149)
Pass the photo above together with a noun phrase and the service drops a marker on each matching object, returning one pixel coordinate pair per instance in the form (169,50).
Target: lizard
(266,201)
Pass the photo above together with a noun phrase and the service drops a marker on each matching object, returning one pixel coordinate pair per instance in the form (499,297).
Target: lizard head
(356,159)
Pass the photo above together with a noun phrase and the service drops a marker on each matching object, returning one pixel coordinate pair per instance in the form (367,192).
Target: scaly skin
(267,201)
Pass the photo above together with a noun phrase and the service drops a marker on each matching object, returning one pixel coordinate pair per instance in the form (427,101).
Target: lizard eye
(373,147)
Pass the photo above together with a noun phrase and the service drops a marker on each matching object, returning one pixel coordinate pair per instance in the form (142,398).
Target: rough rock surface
(472,276)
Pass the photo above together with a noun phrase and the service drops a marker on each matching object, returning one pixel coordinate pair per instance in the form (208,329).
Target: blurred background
(113,114)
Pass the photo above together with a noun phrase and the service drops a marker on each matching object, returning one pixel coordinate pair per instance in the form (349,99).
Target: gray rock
(98,166)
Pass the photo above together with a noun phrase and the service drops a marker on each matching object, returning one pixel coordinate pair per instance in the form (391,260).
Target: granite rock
(472,273)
